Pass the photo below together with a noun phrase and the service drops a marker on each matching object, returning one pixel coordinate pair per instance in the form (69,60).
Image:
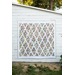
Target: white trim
(36,8)
(37,60)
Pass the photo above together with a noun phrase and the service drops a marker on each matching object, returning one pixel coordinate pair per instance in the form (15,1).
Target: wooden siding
(20,14)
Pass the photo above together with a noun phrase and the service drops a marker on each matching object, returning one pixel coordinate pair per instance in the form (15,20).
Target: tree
(25,2)
(47,4)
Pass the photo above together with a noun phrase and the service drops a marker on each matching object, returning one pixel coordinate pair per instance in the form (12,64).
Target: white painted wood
(32,15)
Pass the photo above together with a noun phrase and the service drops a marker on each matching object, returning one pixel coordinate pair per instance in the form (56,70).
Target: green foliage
(31,70)
(41,3)
(25,2)
(18,70)
(47,4)
(61,61)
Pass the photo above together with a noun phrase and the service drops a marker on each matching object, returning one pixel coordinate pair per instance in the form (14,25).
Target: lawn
(31,70)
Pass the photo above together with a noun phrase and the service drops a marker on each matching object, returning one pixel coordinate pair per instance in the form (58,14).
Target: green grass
(17,70)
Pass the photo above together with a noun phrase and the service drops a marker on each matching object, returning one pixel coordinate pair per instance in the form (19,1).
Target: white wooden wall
(22,14)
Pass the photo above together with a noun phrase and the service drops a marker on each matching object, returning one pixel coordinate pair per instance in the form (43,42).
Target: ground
(36,69)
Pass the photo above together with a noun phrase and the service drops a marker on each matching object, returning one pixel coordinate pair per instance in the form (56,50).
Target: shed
(36,34)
